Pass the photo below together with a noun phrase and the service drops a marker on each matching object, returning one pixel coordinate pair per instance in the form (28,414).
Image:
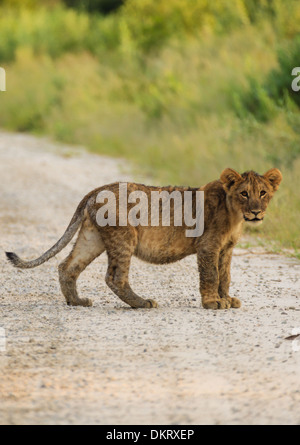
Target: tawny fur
(229,202)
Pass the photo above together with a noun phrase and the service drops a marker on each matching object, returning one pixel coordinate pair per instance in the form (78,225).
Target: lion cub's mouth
(254,220)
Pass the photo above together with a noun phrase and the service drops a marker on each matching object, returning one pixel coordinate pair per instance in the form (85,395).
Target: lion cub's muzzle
(254,216)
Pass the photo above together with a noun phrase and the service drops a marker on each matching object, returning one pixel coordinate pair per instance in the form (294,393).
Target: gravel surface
(109,364)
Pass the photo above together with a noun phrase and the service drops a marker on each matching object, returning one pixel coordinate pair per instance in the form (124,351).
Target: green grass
(181,101)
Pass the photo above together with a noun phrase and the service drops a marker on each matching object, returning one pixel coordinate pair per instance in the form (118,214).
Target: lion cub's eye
(244,194)
(263,193)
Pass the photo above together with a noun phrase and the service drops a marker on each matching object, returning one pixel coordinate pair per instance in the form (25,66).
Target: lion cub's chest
(233,236)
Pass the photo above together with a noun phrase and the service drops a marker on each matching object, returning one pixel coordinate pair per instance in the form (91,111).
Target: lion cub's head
(250,193)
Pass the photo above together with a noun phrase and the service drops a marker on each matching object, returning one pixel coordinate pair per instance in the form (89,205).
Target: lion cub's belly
(163,246)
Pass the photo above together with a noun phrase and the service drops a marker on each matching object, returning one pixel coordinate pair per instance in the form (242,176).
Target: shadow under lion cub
(229,202)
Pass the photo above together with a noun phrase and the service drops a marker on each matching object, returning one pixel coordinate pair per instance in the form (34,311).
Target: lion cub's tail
(61,244)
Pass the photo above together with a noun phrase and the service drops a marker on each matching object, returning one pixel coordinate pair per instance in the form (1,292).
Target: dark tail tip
(12,257)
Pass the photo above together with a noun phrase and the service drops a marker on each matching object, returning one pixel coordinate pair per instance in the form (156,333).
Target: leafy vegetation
(182,88)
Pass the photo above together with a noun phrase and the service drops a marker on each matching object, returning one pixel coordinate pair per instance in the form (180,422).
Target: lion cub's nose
(255,212)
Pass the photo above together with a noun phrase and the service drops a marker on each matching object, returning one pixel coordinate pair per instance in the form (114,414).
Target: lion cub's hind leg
(117,278)
(88,246)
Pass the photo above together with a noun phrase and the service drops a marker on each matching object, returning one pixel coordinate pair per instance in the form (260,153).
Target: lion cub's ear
(274,177)
(229,177)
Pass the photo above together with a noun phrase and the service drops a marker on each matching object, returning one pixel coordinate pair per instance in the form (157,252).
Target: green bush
(54,32)
(256,101)
(139,26)
(265,97)
(151,24)
(103,6)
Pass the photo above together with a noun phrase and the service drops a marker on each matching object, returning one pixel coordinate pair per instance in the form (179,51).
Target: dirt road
(179,364)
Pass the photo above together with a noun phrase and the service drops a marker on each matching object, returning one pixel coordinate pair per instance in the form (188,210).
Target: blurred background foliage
(182,88)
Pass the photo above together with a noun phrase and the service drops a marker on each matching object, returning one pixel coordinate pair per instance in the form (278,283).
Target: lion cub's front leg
(224,277)
(209,281)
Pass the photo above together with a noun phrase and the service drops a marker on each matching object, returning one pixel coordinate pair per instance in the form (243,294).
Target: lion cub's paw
(226,303)
(85,302)
(235,302)
(216,303)
(210,304)
(151,304)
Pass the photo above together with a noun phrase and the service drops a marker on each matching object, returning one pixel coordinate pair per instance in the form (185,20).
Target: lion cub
(228,203)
